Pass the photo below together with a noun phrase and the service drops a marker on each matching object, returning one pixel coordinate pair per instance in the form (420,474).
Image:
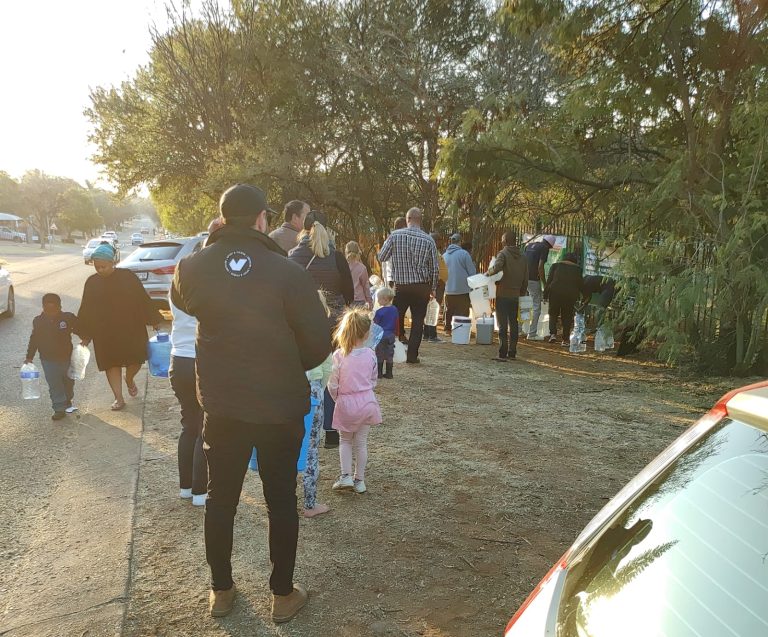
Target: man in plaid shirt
(412,254)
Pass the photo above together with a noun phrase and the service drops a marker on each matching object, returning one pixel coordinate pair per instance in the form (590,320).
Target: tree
(77,212)
(660,126)
(41,196)
(10,194)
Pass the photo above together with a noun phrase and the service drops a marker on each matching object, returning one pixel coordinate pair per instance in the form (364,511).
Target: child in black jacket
(52,336)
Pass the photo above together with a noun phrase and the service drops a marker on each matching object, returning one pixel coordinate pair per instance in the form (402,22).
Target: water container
(480,302)
(576,346)
(609,344)
(401,354)
(543,329)
(301,465)
(526,303)
(433,313)
(78,362)
(599,340)
(460,328)
(484,330)
(159,355)
(30,382)
(374,336)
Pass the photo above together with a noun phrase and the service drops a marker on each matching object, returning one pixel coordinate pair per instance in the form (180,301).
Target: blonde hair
(321,294)
(352,251)
(319,240)
(385,294)
(353,328)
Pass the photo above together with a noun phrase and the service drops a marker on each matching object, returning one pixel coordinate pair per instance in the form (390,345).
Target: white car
(137,239)
(95,243)
(155,264)
(7,298)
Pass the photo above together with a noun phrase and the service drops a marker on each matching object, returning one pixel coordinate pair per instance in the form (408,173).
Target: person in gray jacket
(460,266)
(287,235)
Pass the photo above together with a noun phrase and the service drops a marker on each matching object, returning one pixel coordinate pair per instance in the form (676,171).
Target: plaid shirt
(413,256)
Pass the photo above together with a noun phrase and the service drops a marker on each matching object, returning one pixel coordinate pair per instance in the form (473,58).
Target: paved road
(68,488)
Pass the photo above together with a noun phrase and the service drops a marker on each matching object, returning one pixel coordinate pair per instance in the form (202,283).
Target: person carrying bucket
(513,285)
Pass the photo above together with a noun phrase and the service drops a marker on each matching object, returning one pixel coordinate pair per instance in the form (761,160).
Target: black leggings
(193,470)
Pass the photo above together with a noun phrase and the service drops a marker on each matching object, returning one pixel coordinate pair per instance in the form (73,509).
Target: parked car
(7,234)
(137,239)
(155,264)
(680,550)
(145,230)
(7,297)
(93,244)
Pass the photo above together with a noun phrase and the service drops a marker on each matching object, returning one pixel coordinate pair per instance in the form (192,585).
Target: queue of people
(251,302)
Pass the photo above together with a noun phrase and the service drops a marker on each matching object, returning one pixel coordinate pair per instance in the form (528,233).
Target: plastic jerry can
(159,355)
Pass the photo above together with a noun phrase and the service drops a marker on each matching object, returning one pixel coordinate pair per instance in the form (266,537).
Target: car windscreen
(155,252)
(689,556)
(93,243)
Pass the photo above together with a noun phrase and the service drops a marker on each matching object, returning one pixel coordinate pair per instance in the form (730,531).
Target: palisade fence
(701,324)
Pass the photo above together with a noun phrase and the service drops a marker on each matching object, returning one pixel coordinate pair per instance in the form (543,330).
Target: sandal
(133,391)
(118,406)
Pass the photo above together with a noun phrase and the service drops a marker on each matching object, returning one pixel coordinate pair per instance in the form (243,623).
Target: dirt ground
(480,477)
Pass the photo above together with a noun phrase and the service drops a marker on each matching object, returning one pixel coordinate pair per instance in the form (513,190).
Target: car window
(690,555)
(93,243)
(155,252)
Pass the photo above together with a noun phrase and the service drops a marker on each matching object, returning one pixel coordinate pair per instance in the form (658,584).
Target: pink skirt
(356,410)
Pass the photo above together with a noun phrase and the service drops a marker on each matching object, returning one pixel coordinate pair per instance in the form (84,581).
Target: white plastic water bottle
(30,382)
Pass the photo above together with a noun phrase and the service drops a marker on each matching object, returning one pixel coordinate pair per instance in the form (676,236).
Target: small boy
(52,337)
(388,319)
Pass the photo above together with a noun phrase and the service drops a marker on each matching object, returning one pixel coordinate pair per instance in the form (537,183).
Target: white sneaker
(199,500)
(71,410)
(344,483)
(535,337)
(360,486)
(185,494)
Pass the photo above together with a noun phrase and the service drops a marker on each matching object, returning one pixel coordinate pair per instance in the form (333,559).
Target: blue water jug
(159,355)
(301,465)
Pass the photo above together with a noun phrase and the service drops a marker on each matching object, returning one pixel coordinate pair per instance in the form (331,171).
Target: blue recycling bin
(301,465)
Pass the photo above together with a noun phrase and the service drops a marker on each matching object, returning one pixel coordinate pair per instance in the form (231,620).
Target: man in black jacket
(261,326)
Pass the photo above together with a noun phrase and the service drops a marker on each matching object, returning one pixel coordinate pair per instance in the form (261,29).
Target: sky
(52,52)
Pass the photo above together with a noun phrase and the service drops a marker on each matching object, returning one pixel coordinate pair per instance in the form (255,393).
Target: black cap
(315,216)
(243,200)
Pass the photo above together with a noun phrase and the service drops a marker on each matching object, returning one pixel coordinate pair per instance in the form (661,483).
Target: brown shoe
(221,603)
(286,607)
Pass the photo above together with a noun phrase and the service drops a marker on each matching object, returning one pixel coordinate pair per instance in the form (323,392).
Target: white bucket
(484,329)
(460,329)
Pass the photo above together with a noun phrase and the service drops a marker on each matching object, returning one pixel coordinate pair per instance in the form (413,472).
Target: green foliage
(77,212)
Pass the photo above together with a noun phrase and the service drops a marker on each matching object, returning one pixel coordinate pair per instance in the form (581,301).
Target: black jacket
(261,326)
(331,275)
(564,281)
(52,337)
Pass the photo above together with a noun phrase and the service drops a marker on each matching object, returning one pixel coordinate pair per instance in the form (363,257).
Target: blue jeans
(506,314)
(60,387)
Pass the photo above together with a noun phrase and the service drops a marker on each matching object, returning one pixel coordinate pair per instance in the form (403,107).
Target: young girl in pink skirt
(353,378)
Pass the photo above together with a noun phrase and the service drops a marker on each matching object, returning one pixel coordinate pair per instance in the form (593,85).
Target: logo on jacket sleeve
(238,264)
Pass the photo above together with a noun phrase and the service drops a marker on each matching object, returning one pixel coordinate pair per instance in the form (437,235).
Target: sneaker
(535,337)
(437,339)
(565,344)
(360,486)
(221,603)
(71,409)
(553,339)
(415,361)
(58,415)
(344,483)
(286,607)
(500,359)
(185,494)
(199,500)
(388,375)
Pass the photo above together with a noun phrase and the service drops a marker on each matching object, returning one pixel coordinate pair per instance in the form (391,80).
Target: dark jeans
(561,307)
(61,387)
(416,297)
(455,305)
(506,315)
(193,470)
(228,446)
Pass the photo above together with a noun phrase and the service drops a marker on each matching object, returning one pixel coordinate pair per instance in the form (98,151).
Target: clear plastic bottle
(30,382)
(433,313)
(599,340)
